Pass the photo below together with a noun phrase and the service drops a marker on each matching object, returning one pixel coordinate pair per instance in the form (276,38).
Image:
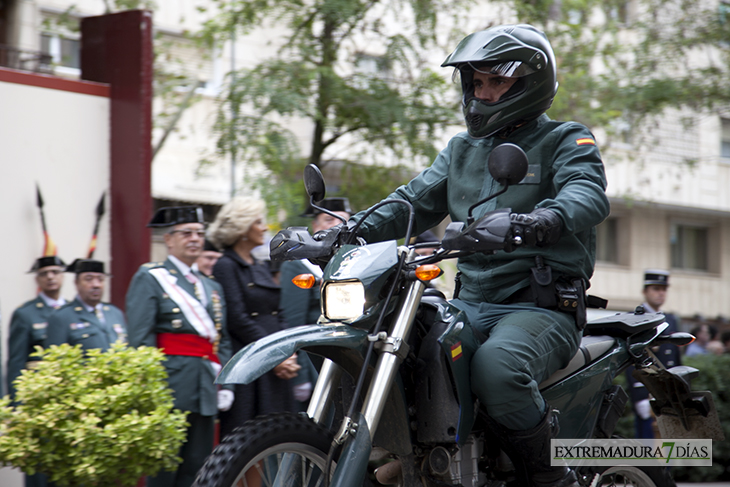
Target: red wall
(117,49)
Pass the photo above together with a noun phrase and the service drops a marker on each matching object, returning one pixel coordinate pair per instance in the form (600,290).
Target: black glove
(337,235)
(333,237)
(540,228)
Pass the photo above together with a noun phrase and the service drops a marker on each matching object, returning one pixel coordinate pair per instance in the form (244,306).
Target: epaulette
(32,304)
(152,264)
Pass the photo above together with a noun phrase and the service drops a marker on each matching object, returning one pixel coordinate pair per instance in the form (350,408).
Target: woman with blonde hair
(252,299)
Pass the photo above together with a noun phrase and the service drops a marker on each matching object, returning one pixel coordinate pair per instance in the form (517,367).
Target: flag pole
(99,213)
(49,247)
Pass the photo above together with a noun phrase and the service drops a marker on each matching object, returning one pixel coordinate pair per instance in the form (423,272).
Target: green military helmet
(515,51)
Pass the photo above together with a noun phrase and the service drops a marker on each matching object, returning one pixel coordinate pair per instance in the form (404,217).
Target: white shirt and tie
(188,273)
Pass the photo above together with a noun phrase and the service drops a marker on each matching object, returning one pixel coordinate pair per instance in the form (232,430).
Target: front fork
(356,434)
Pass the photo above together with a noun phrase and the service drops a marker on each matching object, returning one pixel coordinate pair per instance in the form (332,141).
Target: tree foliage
(629,61)
(620,64)
(101,419)
(356,71)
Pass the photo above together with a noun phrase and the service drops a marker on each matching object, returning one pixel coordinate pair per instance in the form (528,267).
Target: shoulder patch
(585,141)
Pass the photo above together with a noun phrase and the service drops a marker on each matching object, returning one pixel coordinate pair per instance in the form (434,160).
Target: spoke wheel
(623,476)
(267,450)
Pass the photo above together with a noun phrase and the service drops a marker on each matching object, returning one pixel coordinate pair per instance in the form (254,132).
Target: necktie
(99,314)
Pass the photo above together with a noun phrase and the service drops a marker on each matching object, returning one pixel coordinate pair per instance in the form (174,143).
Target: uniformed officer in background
(656,283)
(86,320)
(207,258)
(301,306)
(178,309)
(28,323)
(28,327)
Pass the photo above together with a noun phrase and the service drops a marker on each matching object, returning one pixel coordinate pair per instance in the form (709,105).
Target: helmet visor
(509,69)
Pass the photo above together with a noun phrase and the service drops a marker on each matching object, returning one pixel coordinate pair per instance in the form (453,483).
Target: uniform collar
(53,303)
(649,309)
(182,266)
(89,308)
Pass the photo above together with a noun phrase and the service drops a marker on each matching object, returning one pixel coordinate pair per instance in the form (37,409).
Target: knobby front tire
(285,444)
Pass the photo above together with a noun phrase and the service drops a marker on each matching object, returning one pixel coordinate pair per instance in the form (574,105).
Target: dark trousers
(644,427)
(37,480)
(198,445)
(525,345)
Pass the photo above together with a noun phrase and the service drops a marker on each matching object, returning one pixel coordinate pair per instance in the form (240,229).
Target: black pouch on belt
(542,286)
(572,299)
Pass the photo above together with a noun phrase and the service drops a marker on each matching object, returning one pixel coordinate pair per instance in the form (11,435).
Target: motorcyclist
(508,79)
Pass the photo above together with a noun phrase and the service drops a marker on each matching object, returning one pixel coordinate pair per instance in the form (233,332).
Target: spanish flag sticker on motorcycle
(456,351)
(585,141)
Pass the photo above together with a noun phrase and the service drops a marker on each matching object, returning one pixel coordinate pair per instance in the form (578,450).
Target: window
(725,139)
(606,241)
(65,52)
(690,247)
(612,240)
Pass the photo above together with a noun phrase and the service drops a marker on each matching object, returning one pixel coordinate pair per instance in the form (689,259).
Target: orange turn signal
(304,281)
(428,272)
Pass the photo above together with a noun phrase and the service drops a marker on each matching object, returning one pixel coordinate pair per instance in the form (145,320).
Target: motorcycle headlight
(343,300)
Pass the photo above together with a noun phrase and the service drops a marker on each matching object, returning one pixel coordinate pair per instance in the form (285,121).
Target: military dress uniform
(28,327)
(669,355)
(76,323)
(157,320)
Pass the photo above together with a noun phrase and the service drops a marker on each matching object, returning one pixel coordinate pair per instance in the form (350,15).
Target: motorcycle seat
(623,325)
(591,348)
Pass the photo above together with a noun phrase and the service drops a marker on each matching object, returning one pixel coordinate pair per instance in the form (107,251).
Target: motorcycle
(392,403)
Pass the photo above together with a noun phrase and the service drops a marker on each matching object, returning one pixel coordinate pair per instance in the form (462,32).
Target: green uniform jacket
(73,324)
(150,311)
(27,330)
(565,174)
(300,306)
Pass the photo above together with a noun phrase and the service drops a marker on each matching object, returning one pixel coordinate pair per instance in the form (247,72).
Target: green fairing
(578,397)
(370,264)
(257,358)
(460,333)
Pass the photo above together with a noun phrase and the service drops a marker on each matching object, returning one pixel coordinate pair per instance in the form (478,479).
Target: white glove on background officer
(643,409)
(225,400)
(303,391)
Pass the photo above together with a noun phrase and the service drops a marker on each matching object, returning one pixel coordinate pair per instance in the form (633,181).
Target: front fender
(261,356)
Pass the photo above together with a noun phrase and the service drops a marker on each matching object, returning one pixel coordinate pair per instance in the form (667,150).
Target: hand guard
(540,228)
(334,237)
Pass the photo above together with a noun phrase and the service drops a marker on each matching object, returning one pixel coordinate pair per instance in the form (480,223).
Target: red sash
(186,344)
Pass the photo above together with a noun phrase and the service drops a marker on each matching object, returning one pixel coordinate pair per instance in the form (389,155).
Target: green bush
(92,418)
(715,377)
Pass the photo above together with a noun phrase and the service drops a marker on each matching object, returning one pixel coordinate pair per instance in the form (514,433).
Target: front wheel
(625,475)
(267,450)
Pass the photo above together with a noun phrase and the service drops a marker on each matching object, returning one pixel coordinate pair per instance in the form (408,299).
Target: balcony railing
(25,60)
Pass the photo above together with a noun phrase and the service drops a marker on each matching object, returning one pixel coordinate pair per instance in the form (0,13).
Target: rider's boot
(529,450)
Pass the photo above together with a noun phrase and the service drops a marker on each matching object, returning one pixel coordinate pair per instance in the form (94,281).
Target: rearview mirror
(314,182)
(507,164)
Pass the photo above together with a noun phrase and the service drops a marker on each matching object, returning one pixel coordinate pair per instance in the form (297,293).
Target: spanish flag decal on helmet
(456,351)
(585,141)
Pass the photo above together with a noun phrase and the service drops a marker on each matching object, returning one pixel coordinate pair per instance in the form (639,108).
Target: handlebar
(489,234)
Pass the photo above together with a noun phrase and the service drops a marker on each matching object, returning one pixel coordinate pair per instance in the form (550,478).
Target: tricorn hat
(79,266)
(331,204)
(176,215)
(42,262)
(208,246)
(656,277)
